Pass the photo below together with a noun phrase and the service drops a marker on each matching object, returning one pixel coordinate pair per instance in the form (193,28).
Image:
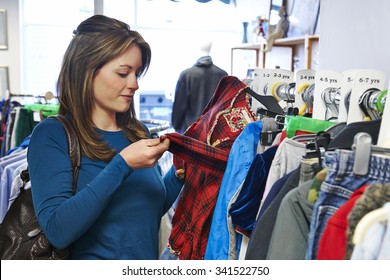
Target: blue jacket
(242,154)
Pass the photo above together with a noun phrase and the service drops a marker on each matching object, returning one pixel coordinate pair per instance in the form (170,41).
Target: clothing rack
(48,95)
(157,125)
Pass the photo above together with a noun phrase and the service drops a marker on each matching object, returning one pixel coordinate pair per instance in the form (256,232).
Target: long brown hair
(96,41)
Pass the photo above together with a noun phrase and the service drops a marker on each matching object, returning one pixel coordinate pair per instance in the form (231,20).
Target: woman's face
(116,82)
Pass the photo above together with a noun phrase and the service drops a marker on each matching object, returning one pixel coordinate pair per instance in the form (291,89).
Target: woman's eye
(122,75)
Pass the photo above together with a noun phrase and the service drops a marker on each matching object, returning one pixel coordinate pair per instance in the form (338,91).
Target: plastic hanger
(269,102)
(379,215)
(363,151)
(380,104)
(317,146)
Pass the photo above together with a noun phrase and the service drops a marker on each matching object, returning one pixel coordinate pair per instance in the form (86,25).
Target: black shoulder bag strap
(73,147)
(73,150)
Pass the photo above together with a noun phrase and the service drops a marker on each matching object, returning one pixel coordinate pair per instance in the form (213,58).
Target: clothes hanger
(308,99)
(269,131)
(363,149)
(379,215)
(317,146)
(343,138)
(368,103)
(380,104)
(269,102)
(331,98)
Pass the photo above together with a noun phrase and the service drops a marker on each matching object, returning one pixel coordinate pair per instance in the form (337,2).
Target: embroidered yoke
(202,151)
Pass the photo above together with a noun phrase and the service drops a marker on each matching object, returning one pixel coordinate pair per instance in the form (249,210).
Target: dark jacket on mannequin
(194,89)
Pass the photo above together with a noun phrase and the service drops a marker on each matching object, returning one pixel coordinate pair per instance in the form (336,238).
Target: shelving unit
(260,56)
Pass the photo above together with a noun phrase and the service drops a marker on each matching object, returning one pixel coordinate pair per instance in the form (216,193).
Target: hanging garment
(278,185)
(289,237)
(224,118)
(262,232)
(8,164)
(376,243)
(244,210)
(333,242)
(344,139)
(338,187)
(287,158)
(373,198)
(241,156)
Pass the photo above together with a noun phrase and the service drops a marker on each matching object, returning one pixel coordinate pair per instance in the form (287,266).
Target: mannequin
(205,47)
(194,88)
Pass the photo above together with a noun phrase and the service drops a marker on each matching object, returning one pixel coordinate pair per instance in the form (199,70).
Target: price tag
(37,117)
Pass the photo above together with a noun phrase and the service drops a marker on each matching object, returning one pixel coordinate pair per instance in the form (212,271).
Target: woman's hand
(144,153)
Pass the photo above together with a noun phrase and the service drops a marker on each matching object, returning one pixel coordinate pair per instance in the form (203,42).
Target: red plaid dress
(202,151)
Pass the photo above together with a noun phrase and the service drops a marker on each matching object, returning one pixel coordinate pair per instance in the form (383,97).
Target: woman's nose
(132,82)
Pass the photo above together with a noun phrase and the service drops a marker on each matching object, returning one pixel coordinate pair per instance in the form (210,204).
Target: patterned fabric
(316,186)
(192,151)
(202,152)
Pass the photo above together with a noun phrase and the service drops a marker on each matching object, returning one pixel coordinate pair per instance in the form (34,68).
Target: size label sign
(324,79)
(363,80)
(303,79)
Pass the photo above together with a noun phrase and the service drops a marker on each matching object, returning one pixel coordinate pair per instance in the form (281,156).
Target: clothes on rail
(336,241)
(240,199)
(256,188)
(223,119)
(241,156)
(10,167)
(333,242)
(376,243)
(261,235)
(18,121)
(16,125)
(337,188)
(374,197)
(289,237)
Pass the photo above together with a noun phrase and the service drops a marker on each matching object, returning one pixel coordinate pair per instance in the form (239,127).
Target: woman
(121,196)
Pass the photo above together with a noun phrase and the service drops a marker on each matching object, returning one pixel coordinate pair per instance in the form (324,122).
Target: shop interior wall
(11,56)
(354,35)
(162,48)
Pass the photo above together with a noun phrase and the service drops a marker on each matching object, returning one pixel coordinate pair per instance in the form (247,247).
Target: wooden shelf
(296,40)
(306,41)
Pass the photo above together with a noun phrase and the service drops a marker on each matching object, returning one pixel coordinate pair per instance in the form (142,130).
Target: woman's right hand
(144,153)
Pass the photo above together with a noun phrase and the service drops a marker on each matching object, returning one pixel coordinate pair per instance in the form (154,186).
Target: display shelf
(306,41)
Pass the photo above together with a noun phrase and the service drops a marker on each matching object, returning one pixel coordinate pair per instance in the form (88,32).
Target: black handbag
(20,235)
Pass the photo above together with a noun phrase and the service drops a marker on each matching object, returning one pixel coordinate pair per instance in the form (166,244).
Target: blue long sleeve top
(116,211)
